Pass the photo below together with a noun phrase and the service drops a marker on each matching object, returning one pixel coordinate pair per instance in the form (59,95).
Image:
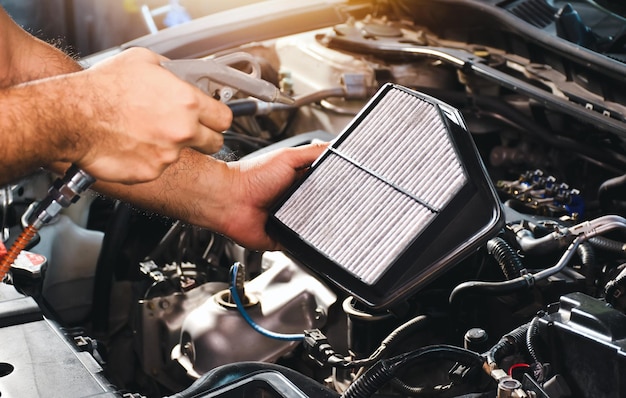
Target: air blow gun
(214,76)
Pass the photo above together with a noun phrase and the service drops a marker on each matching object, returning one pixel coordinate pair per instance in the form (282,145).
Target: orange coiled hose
(17,247)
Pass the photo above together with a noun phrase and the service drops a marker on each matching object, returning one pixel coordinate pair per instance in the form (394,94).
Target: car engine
(476,248)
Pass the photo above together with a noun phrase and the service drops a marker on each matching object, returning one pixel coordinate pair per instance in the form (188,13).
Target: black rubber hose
(587,255)
(384,370)
(373,379)
(521,282)
(611,193)
(405,329)
(490,288)
(114,237)
(602,243)
(538,246)
(243,107)
(536,365)
(507,258)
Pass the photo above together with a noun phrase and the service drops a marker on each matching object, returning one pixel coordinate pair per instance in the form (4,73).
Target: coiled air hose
(63,193)
(20,244)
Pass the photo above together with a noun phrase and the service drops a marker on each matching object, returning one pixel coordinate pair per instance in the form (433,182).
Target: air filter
(400,196)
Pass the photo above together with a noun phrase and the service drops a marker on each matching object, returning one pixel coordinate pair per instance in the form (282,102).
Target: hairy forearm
(41,124)
(24,58)
(41,60)
(30,117)
(229,198)
(194,189)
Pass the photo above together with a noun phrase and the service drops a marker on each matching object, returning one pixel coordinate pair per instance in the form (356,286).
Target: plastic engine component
(586,340)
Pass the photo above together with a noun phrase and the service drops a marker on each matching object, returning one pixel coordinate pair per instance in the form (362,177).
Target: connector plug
(319,349)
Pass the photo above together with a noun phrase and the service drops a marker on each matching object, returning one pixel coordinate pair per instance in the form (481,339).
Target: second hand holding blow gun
(213,76)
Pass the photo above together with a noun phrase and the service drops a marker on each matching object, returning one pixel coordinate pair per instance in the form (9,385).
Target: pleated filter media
(368,200)
(377,188)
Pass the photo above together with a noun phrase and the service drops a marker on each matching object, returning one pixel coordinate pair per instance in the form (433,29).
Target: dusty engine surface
(533,306)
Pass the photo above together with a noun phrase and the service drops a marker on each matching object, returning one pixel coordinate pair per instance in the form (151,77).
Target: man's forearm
(229,198)
(24,58)
(194,189)
(37,123)
(42,60)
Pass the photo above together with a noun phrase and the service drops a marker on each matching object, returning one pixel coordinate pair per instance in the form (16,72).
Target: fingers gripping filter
(400,196)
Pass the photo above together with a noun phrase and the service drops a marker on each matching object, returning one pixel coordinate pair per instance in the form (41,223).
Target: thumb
(302,156)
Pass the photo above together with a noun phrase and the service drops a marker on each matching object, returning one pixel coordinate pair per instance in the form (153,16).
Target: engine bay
(516,291)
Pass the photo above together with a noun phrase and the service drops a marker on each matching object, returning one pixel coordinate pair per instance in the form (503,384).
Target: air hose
(20,244)
(63,193)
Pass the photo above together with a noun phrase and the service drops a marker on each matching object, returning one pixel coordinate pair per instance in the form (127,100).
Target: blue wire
(246,317)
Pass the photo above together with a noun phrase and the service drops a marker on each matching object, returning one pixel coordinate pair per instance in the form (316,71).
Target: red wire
(516,366)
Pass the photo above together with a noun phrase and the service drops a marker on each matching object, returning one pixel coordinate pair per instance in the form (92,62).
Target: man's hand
(141,116)
(124,120)
(229,198)
(256,184)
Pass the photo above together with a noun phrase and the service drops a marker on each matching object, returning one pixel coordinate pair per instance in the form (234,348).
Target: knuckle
(169,157)
(177,136)
(140,174)
(226,119)
(219,141)
(188,97)
(139,51)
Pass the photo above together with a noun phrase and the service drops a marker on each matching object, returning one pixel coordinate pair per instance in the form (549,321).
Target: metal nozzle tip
(285,99)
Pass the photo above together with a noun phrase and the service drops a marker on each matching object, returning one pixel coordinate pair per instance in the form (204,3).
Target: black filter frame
(466,222)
